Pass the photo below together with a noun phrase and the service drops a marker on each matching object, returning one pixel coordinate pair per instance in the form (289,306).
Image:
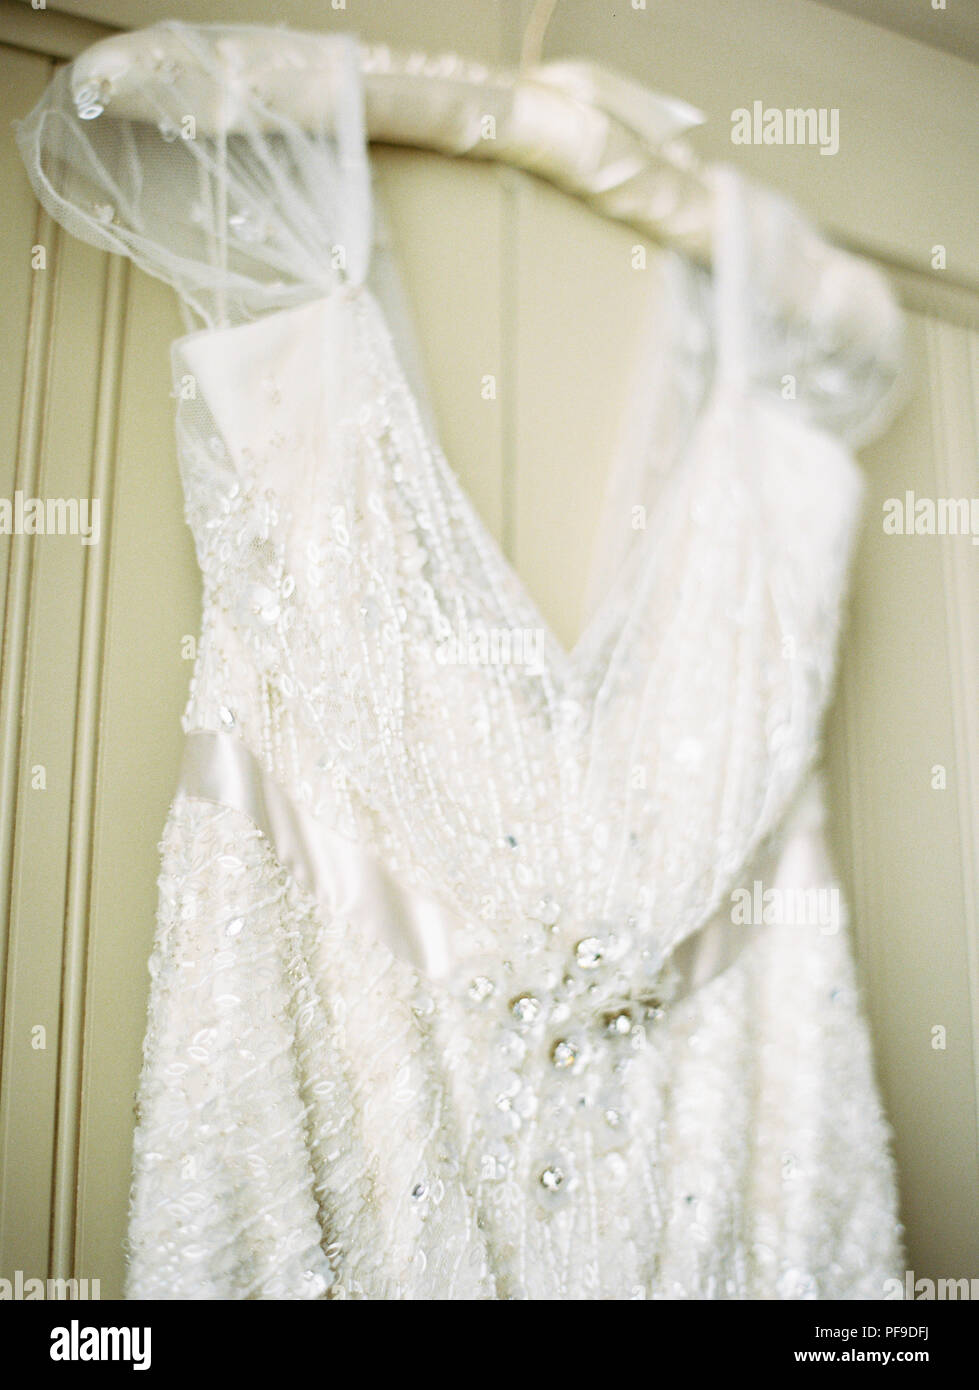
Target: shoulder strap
(240,215)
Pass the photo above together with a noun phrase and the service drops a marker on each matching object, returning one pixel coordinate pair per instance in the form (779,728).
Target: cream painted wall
(506,276)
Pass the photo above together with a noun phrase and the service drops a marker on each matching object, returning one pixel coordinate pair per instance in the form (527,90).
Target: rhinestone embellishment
(91,100)
(618,1024)
(552,1179)
(589,953)
(525,1008)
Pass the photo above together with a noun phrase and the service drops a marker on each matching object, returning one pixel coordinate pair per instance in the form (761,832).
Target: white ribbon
(351,882)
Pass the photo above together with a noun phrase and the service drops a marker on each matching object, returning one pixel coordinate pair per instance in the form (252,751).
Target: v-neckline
(568,666)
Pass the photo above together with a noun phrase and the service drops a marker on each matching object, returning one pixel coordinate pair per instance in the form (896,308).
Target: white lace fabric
(317,1118)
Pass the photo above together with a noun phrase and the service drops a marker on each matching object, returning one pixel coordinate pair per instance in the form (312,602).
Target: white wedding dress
(450,999)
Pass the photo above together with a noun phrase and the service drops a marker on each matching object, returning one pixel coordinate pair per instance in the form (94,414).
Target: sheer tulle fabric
(240,222)
(317,1117)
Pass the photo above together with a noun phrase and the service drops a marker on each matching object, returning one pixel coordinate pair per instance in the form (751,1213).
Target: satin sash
(351,882)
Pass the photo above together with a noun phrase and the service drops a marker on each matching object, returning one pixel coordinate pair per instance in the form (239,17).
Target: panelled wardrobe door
(97,646)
